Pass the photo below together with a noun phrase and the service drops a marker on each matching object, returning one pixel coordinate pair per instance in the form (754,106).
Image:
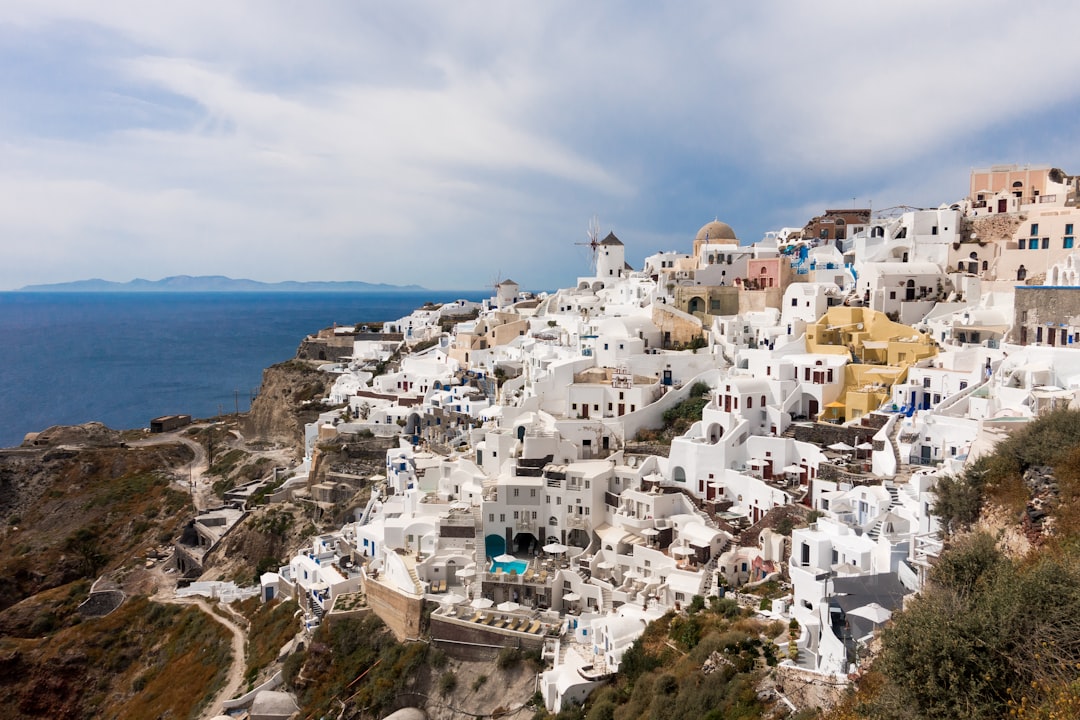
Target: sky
(452,145)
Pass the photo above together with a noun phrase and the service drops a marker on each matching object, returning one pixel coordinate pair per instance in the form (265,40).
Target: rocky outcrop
(287,400)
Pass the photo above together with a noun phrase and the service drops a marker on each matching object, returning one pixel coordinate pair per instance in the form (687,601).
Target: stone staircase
(710,573)
(894,495)
(418,587)
(606,605)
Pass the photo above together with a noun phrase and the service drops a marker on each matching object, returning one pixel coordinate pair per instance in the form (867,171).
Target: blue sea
(124,358)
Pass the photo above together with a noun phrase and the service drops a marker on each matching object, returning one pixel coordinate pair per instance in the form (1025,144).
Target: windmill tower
(593,243)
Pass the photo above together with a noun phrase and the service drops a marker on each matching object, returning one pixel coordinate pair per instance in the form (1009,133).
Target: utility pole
(236,402)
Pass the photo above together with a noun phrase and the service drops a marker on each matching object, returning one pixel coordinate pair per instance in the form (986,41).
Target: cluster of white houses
(848,364)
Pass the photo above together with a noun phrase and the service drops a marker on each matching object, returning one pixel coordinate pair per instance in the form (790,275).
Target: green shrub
(509,658)
(447,683)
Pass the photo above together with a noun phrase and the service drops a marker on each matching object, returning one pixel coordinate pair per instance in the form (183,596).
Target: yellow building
(881,351)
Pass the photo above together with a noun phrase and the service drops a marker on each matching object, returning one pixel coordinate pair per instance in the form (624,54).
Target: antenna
(592,232)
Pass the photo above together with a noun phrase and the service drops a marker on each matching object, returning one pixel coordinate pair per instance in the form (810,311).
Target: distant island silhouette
(214,283)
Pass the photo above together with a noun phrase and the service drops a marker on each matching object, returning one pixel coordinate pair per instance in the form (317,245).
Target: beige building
(1022,221)
(489,331)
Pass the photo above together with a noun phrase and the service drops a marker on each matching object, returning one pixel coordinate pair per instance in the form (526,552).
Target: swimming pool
(518,566)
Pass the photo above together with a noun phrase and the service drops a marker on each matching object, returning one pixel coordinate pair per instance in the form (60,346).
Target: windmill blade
(592,232)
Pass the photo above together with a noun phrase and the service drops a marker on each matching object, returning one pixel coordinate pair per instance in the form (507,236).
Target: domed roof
(716,232)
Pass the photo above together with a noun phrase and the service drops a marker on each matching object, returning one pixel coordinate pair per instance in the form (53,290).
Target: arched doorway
(525,543)
(494,545)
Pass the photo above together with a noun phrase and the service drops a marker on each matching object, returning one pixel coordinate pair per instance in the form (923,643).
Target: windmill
(593,243)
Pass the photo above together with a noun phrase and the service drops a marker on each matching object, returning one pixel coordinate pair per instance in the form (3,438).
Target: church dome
(716,232)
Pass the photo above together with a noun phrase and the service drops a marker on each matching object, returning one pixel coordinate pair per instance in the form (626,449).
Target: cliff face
(284,404)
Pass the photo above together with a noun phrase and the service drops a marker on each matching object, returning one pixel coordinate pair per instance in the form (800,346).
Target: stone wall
(401,612)
(825,434)
(331,349)
(470,641)
(1048,308)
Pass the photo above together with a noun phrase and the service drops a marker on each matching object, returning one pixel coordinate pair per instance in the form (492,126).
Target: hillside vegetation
(996,633)
(125,665)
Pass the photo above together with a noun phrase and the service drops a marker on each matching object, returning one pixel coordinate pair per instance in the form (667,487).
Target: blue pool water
(519,566)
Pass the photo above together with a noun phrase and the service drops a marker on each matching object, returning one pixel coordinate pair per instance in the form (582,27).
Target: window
(1034,229)
(516,492)
(1067,242)
(491,517)
(558,500)
(532,492)
(516,515)
(1022,244)
(794,302)
(1046,243)
(502,517)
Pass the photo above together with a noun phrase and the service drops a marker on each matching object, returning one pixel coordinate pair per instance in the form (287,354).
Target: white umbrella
(451,599)
(681,550)
(571,597)
(507,606)
(841,447)
(864,446)
(555,548)
(872,612)
(605,565)
(466,572)
(505,558)
(482,603)
(650,532)
(793,469)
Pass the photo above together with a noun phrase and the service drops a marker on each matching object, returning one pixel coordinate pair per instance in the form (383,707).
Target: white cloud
(275,140)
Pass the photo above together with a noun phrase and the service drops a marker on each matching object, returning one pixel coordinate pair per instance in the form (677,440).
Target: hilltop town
(842,368)
(759,422)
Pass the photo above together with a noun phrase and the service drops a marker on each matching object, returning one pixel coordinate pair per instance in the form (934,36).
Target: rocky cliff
(287,399)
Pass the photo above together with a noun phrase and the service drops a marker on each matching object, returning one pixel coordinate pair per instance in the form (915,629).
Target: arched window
(678,474)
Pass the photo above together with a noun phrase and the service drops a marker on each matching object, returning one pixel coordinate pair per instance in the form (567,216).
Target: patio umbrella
(872,612)
(864,446)
(505,558)
(605,565)
(650,532)
(466,572)
(507,606)
(482,603)
(451,599)
(571,597)
(555,548)
(793,469)
(681,550)
(841,447)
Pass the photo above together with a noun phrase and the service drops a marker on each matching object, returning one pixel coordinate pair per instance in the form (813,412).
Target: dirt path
(196,483)
(235,678)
